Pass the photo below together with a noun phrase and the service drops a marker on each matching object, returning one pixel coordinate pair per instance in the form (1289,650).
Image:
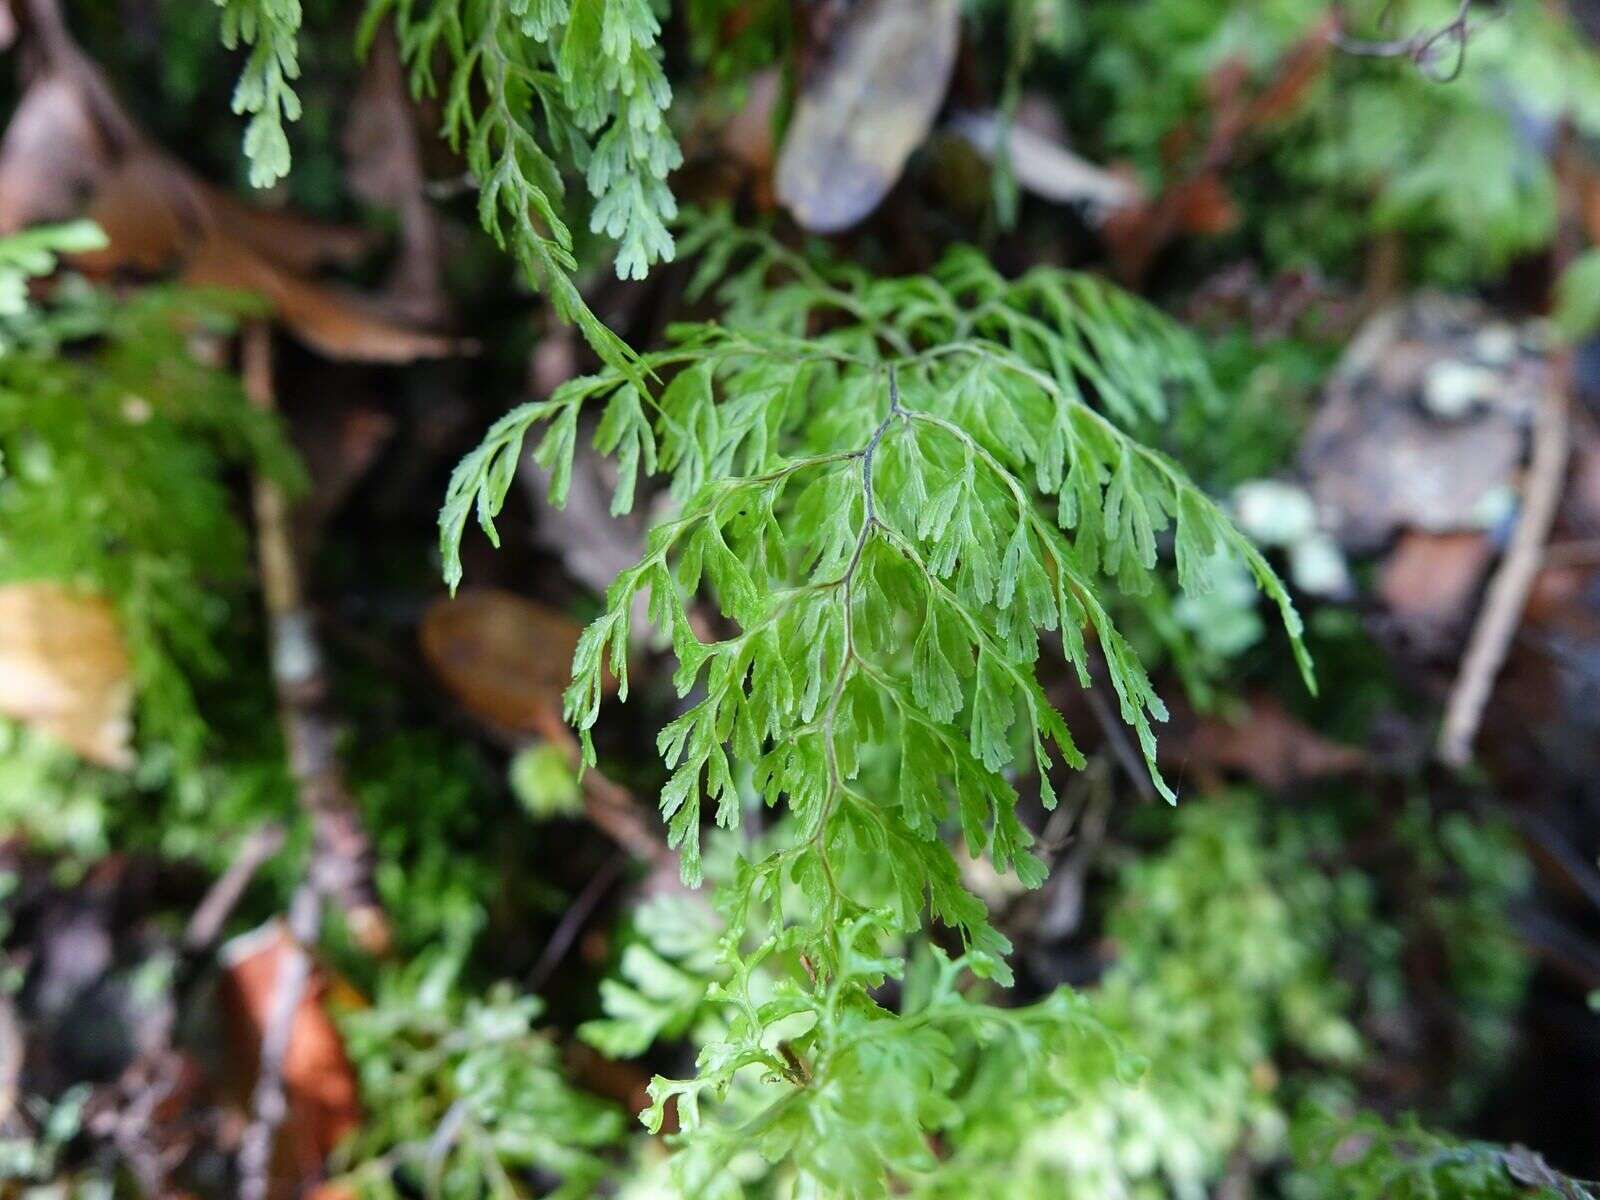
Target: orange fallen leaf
(318,1080)
(64,669)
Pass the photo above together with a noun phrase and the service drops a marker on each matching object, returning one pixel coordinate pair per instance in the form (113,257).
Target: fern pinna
(891,489)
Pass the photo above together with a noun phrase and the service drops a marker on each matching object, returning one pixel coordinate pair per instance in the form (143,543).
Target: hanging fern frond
(271,30)
(893,490)
(533,87)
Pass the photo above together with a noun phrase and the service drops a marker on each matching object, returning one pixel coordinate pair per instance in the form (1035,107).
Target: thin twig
(1133,766)
(1063,906)
(573,920)
(1422,48)
(11,1052)
(219,902)
(269,1102)
(342,858)
(1501,613)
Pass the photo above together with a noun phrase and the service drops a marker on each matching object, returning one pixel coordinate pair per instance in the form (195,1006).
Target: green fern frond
(536,86)
(875,487)
(464,1096)
(33,253)
(842,1093)
(271,29)
(893,490)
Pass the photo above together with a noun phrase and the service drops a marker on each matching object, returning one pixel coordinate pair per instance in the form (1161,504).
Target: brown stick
(11,1052)
(609,805)
(341,856)
(207,921)
(1502,608)
(1133,766)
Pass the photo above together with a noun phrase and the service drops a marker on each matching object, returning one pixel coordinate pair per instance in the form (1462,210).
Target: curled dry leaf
(158,219)
(64,669)
(52,156)
(865,108)
(504,657)
(318,1079)
(384,168)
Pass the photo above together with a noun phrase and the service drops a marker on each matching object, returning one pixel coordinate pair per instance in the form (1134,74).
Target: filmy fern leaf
(892,490)
(270,28)
(890,512)
(534,86)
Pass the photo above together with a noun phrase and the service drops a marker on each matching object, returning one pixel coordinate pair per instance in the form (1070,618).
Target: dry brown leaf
(331,321)
(1432,577)
(504,657)
(289,239)
(1423,424)
(747,137)
(64,669)
(318,1080)
(1205,206)
(1269,746)
(157,218)
(70,147)
(384,168)
(866,108)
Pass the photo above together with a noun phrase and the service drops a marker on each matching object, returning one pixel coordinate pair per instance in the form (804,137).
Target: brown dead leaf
(1205,206)
(1432,577)
(70,150)
(1423,424)
(291,240)
(1197,200)
(1269,746)
(865,108)
(64,669)
(158,219)
(319,1082)
(747,137)
(332,321)
(384,168)
(504,657)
